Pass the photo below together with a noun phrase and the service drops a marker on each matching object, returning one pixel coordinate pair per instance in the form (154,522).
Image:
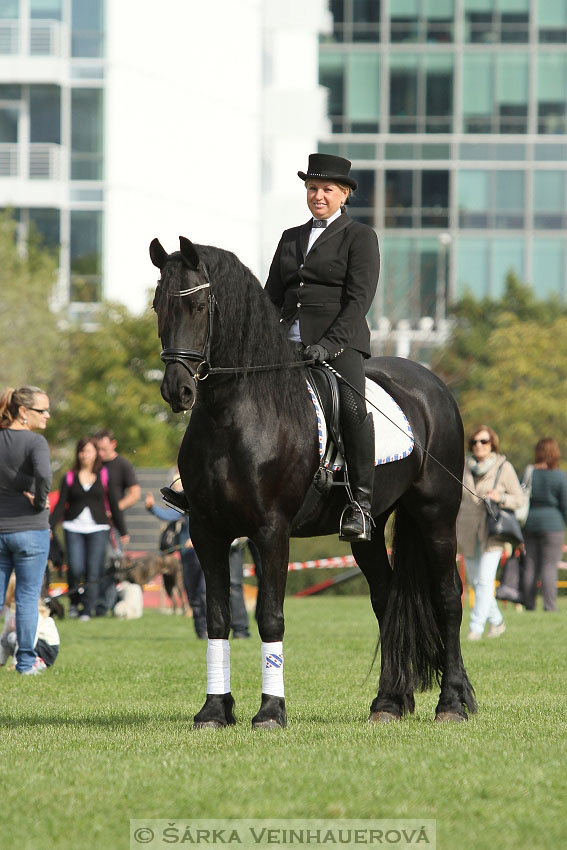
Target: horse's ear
(189,252)
(158,255)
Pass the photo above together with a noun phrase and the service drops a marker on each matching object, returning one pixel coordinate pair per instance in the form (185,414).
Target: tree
(29,331)
(506,363)
(113,376)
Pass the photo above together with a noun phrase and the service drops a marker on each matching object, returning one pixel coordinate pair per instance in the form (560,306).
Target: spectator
(193,578)
(86,501)
(490,476)
(25,479)
(239,614)
(124,484)
(47,637)
(544,531)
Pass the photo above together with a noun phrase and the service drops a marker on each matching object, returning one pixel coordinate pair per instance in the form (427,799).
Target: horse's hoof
(272,714)
(267,724)
(449,717)
(216,712)
(382,717)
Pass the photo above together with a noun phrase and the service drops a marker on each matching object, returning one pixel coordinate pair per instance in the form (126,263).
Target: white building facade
(120,122)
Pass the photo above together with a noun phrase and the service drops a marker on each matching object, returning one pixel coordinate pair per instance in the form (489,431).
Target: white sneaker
(39,666)
(474,635)
(496,631)
(73,612)
(84,618)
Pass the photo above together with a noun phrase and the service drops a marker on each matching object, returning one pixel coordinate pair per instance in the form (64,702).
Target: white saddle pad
(393,437)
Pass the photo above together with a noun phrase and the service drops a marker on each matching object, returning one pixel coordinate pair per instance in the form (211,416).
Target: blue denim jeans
(481,573)
(85,558)
(25,553)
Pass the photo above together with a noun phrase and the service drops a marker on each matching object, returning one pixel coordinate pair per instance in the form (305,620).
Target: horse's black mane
(247,330)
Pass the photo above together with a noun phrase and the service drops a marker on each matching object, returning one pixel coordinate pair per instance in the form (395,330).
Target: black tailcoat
(331,289)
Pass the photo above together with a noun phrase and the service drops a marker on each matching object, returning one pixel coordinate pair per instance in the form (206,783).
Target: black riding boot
(175,499)
(356,521)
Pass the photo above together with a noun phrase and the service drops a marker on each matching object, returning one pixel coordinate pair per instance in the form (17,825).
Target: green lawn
(106,736)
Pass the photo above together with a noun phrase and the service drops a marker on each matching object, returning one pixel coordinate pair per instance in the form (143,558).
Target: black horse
(248,457)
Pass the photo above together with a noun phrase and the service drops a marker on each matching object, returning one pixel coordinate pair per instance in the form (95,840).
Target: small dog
(143,569)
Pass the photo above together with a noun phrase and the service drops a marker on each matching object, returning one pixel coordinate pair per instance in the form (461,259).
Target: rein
(204,368)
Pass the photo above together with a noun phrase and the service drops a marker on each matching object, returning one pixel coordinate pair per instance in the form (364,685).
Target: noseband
(187,356)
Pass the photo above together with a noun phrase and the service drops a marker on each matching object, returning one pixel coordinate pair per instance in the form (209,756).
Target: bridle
(187,356)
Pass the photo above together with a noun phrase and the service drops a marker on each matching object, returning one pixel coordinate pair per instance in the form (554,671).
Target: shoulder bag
(502,523)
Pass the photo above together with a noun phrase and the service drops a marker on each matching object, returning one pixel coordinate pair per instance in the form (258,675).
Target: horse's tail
(412,645)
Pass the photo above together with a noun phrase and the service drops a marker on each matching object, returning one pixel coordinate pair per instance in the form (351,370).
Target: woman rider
(322,279)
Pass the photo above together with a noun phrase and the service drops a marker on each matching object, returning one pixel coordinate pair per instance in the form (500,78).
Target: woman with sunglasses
(25,479)
(489,475)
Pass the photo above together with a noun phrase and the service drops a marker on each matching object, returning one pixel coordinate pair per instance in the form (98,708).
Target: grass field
(106,735)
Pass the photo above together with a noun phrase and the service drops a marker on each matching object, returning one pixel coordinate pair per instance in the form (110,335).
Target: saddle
(325,386)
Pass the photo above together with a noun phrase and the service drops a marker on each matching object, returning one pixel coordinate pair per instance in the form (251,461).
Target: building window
(552,21)
(483,265)
(550,200)
(417,198)
(86,255)
(45,114)
(422,21)
(491,199)
(362,206)
(504,21)
(86,134)
(495,93)
(356,20)
(552,93)
(353,80)
(46,223)
(550,268)
(421,93)
(87,29)
(408,277)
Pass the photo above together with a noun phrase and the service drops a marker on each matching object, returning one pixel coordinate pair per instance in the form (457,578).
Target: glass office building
(454,114)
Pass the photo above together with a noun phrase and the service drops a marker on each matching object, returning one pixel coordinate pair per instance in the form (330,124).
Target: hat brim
(332,178)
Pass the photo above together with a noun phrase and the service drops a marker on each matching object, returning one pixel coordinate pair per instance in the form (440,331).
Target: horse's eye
(201,308)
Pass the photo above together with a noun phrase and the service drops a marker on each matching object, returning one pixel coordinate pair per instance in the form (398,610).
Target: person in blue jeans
(193,576)
(25,479)
(86,505)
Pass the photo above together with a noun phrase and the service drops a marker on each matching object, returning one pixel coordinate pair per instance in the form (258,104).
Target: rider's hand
(316,352)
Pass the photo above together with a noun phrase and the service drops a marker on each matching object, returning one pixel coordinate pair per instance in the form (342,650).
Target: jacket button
(298,304)
(302,284)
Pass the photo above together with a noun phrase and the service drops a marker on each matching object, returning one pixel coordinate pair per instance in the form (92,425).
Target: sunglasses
(37,410)
(482,442)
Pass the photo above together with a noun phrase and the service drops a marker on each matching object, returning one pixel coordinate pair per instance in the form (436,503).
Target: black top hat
(325,166)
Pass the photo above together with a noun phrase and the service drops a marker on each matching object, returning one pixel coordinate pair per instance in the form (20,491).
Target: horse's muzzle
(178,389)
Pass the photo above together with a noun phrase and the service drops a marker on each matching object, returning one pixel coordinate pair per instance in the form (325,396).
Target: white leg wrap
(272,668)
(218,667)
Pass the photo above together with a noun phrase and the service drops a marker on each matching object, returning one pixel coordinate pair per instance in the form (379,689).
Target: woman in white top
(87,507)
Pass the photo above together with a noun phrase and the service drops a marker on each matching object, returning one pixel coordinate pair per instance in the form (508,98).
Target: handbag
(523,511)
(502,523)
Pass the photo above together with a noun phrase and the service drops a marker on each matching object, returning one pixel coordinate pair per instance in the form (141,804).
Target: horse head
(183,304)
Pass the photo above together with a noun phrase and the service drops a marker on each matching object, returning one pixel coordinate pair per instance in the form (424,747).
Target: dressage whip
(423,449)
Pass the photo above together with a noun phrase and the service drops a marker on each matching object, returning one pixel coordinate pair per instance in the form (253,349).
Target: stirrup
(367,523)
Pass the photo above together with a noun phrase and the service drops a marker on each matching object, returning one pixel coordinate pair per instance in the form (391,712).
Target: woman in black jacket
(323,279)
(86,505)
